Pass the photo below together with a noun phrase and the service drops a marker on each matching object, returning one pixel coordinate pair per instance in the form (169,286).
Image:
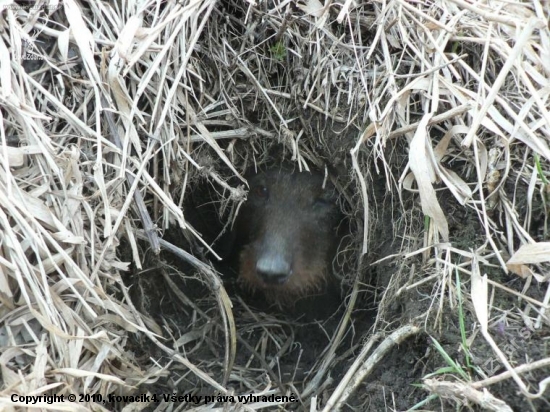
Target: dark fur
(289,222)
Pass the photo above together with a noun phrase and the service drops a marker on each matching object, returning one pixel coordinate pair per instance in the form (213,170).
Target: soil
(284,348)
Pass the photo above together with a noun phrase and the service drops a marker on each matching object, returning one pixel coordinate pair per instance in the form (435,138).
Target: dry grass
(111,115)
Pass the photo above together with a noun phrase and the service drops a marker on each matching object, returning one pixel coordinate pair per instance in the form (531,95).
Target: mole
(287,232)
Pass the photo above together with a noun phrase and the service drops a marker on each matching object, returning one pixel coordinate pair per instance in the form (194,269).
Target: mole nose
(273,269)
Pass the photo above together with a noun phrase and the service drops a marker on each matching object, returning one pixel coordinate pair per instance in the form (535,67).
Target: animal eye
(261,192)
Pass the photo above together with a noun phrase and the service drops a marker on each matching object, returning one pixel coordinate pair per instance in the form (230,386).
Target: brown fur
(305,279)
(291,214)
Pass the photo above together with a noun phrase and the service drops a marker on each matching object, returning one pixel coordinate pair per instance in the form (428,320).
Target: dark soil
(283,347)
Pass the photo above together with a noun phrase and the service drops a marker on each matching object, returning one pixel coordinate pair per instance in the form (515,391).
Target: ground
(284,348)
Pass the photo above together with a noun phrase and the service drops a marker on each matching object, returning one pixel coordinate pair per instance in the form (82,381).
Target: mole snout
(287,232)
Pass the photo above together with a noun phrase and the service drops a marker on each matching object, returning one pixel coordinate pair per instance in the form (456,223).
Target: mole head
(287,227)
